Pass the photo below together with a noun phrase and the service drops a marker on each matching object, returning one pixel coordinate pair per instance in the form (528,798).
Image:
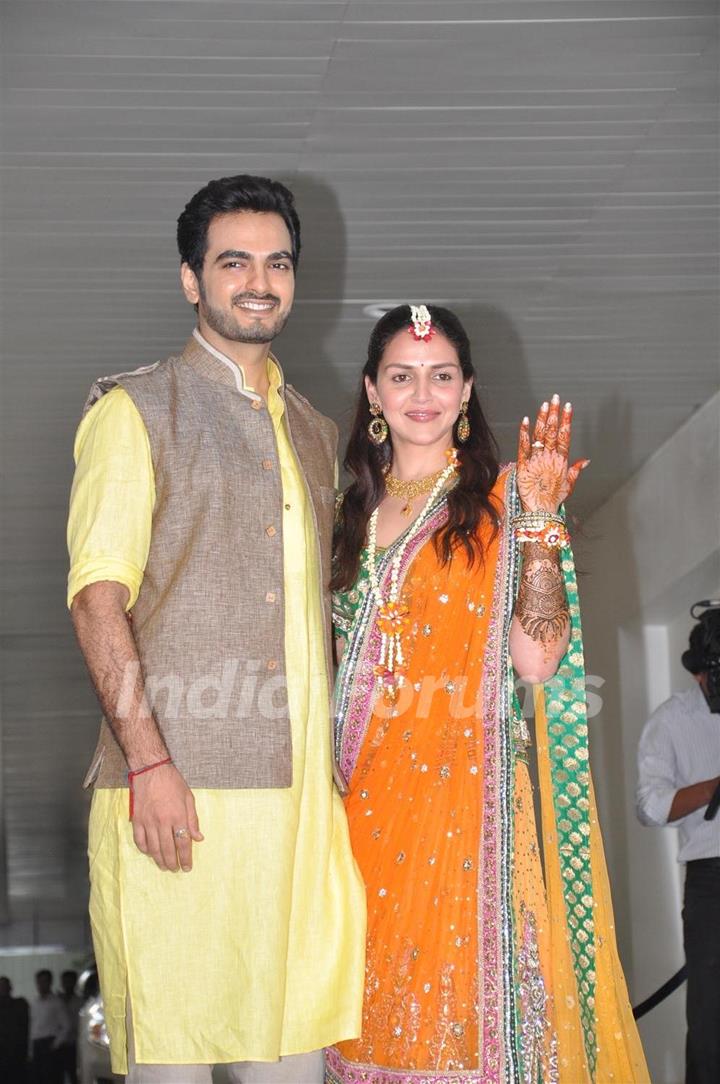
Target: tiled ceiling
(547,167)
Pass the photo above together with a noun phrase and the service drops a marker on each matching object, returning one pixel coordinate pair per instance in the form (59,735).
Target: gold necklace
(408,491)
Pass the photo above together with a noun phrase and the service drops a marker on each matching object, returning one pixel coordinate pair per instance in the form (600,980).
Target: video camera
(703,654)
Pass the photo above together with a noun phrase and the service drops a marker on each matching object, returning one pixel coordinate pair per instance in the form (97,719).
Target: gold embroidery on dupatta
(537,1042)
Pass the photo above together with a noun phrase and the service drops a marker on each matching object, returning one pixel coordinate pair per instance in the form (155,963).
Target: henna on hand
(542,606)
(545,479)
(542,482)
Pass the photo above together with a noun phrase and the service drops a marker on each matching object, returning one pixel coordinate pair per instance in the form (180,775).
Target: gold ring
(180,833)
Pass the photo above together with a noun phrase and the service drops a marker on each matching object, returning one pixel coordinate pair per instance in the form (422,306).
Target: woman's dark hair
(241,193)
(468,502)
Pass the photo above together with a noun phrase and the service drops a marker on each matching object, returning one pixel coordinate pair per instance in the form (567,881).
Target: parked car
(93,1043)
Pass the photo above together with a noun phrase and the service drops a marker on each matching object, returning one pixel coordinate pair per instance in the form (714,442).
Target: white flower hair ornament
(422,329)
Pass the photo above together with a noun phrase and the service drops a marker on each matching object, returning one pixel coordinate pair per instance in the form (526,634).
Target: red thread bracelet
(141,771)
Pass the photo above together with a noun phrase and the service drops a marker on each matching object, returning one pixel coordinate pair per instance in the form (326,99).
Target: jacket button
(270,531)
(272,664)
(270,596)
(267,464)
(256,404)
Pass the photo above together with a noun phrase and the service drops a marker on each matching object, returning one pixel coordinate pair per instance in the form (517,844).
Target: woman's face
(420,388)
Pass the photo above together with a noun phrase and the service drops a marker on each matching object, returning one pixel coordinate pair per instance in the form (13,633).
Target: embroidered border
(340,1071)
(497,1016)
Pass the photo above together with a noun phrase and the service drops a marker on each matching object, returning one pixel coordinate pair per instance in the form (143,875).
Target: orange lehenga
(487,963)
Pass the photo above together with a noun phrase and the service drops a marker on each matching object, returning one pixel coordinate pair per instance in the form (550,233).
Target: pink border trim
(340,1071)
(490,933)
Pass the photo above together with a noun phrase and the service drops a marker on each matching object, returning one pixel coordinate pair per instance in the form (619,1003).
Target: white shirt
(680,745)
(47,1018)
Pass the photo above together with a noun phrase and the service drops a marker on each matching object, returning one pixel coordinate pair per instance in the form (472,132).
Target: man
(46,1027)
(679,772)
(199,534)
(14,1021)
(67,1046)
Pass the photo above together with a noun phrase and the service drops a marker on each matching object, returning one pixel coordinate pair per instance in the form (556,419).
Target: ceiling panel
(547,167)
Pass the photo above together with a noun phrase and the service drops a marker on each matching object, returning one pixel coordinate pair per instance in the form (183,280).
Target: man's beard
(259,332)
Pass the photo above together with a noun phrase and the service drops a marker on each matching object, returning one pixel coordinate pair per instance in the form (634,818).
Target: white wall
(21,964)
(647,554)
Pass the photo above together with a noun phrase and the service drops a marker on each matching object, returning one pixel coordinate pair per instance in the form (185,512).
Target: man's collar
(212,363)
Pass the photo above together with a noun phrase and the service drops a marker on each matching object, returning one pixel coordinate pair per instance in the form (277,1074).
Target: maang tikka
(378,427)
(422,329)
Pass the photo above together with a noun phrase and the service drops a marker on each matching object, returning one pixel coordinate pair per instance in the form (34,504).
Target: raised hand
(544,478)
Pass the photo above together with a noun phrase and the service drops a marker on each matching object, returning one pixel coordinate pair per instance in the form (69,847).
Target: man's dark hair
(228,194)
(44,973)
(704,644)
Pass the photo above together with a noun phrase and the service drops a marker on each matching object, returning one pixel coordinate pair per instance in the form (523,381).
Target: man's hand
(165,822)
(688,799)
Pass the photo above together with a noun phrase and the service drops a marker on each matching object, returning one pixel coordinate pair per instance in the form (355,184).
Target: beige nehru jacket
(209,619)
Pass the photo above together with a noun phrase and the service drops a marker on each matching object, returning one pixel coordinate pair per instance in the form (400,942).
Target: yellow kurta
(259,951)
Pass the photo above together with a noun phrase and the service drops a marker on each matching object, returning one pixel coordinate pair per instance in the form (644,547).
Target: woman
(490,955)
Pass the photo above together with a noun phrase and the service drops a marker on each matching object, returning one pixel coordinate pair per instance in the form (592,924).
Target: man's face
(247,285)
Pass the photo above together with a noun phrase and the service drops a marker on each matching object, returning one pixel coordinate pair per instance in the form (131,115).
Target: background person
(47,1024)
(71,1004)
(14,1035)
(678,773)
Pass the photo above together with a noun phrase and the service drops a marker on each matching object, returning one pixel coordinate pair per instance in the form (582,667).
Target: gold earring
(378,428)
(463,425)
